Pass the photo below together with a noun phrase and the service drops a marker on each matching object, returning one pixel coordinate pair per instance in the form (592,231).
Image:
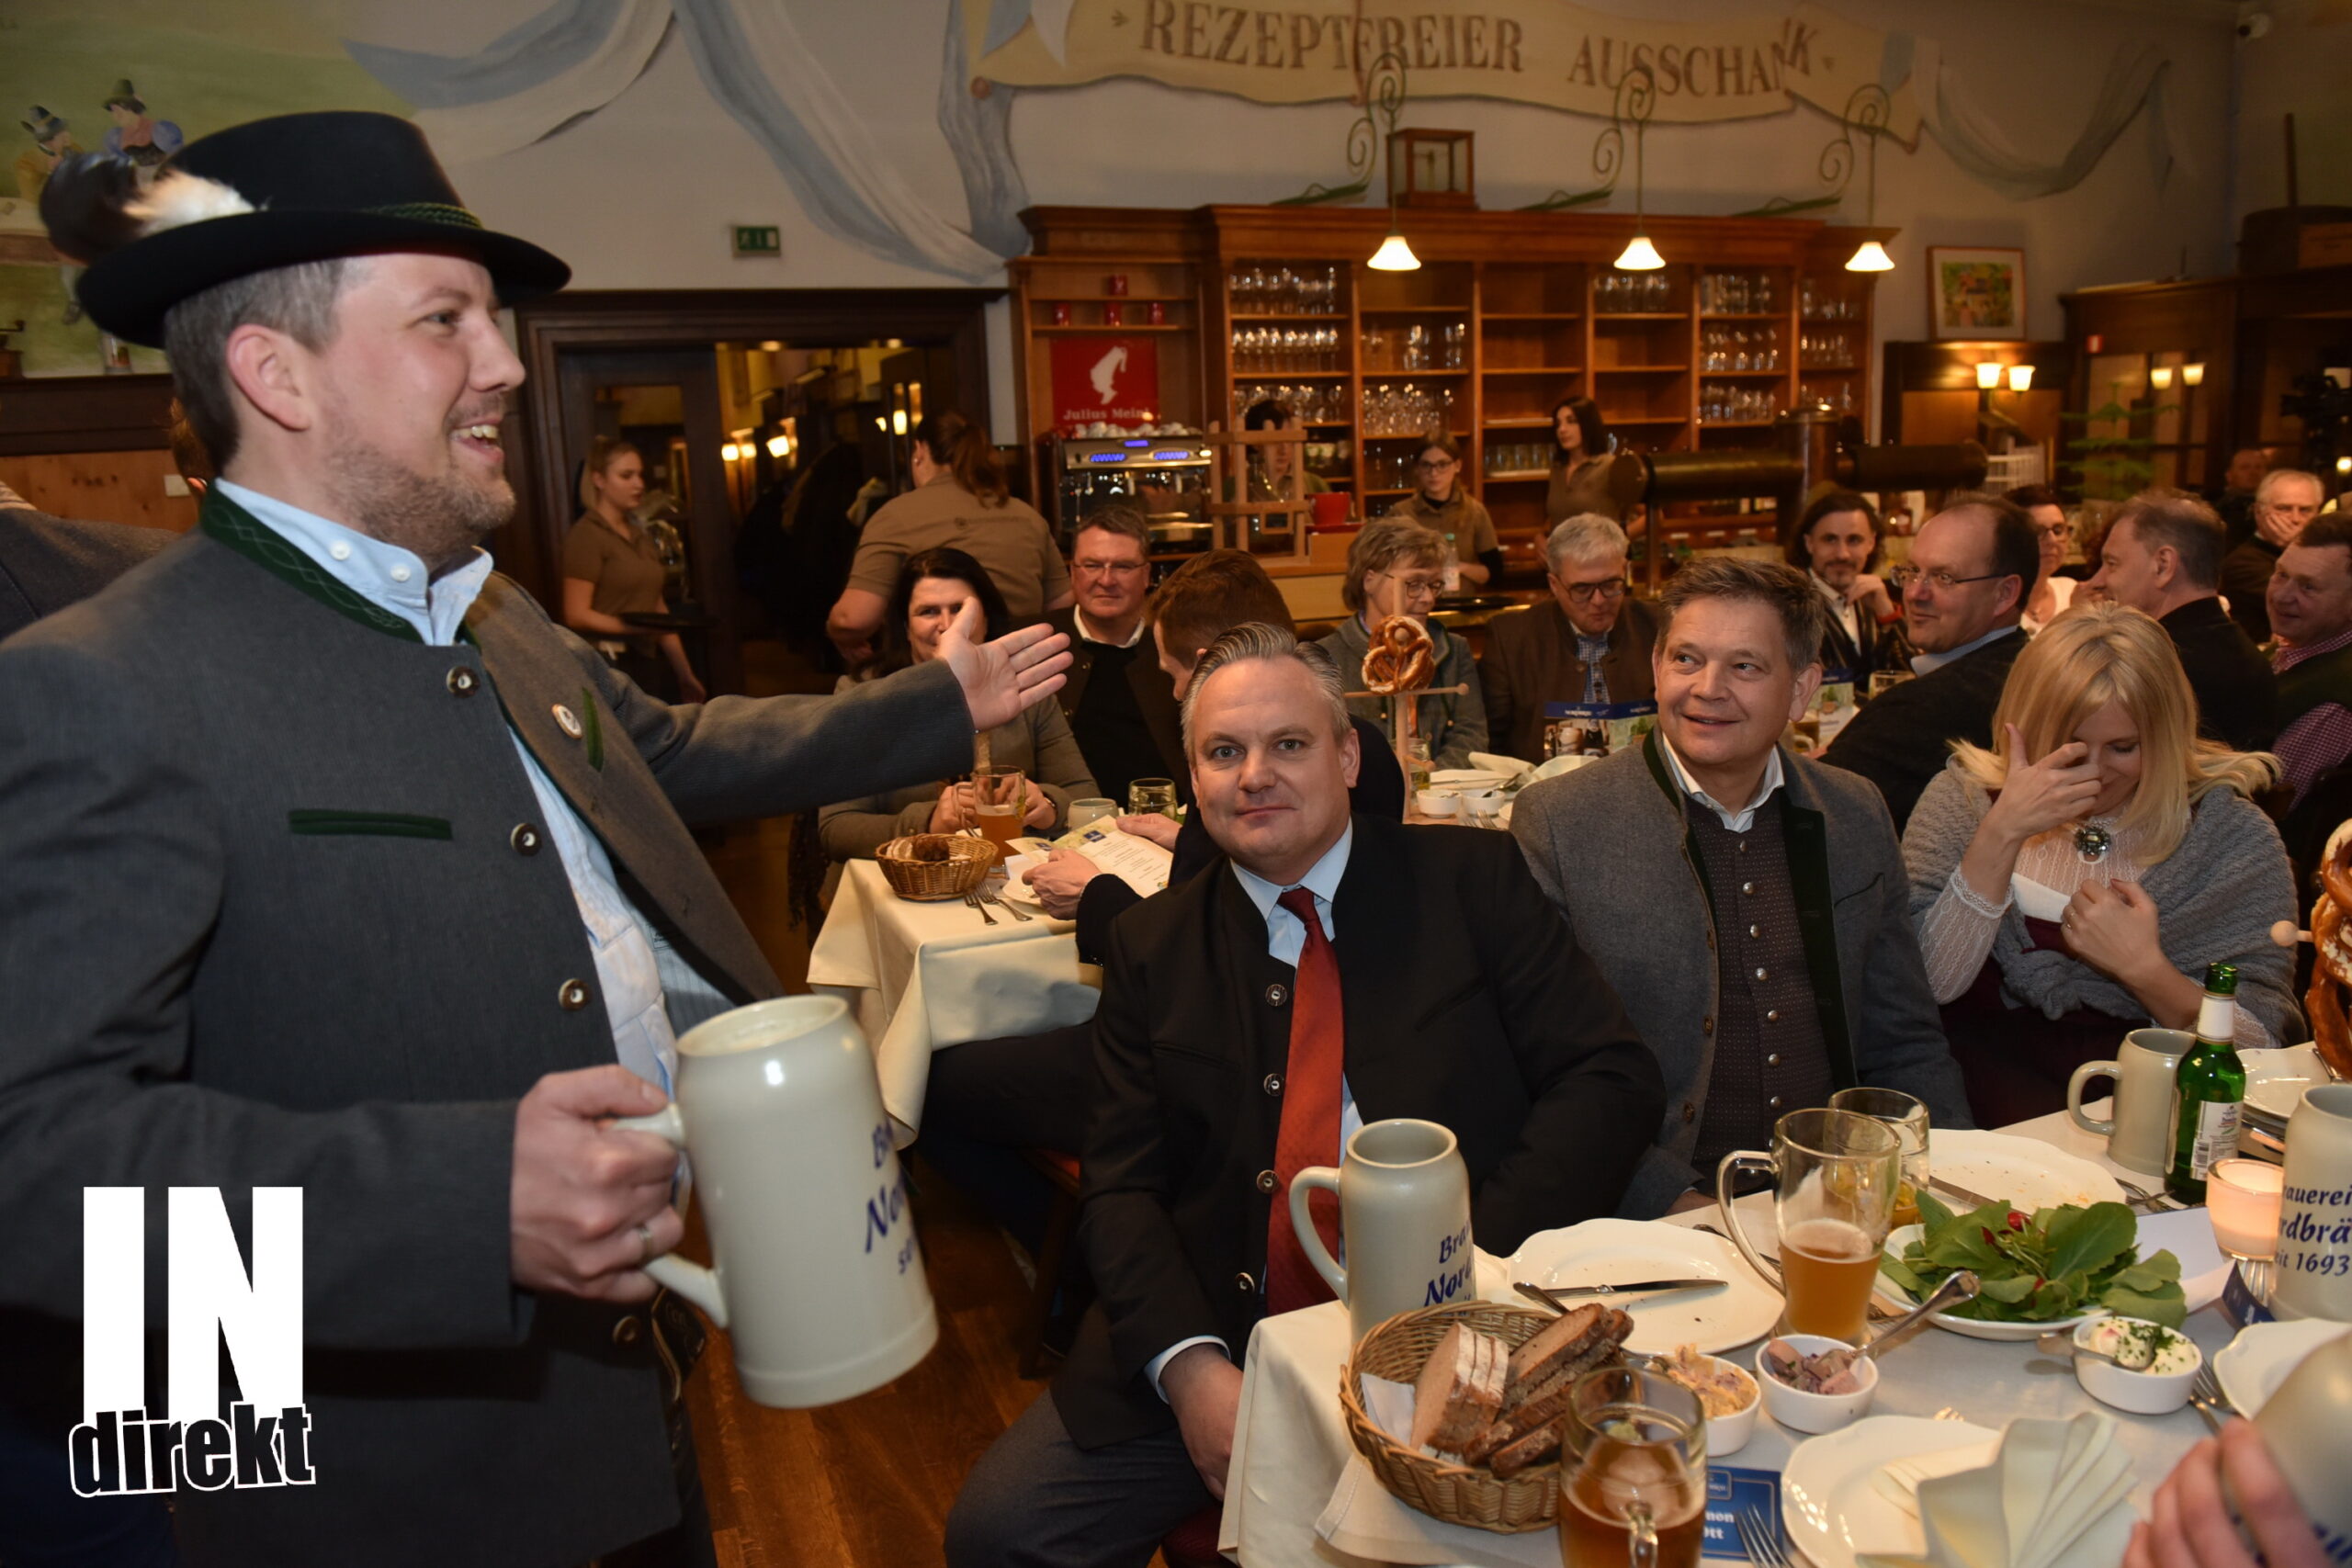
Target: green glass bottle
(2209,1090)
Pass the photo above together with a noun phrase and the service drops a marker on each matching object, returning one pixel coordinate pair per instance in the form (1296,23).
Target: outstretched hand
(1001,678)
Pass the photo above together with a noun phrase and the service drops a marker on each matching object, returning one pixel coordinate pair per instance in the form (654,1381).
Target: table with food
(2001,1380)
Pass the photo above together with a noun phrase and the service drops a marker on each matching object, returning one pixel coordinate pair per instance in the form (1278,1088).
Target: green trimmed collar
(227,523)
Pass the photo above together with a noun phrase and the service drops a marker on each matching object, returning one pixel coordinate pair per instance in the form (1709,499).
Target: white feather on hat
(177,200)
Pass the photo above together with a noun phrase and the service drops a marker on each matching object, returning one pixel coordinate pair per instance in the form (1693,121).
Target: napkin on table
(2057,1495)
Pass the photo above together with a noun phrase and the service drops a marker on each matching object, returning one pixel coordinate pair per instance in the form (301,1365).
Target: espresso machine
(1166,475)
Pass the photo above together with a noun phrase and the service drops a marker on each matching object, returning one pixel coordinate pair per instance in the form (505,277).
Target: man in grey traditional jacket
(332,864)
(1764,949)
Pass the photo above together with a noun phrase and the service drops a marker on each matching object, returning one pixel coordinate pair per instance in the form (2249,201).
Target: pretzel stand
(2329,1002)
(1399,665)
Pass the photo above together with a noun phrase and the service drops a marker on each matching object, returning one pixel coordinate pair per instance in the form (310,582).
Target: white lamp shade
(1869,256)
(2160,376)
(1988,373)
(2192,374)
(778,446)
(1640,255)
(726,453)
(2021,377)
(1394,256)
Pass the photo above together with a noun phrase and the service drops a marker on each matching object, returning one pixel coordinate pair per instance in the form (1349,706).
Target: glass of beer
(1146,796)
(1835,1175)
(1633,1473)
(1908,1117)
(1000,802)
(1092,809)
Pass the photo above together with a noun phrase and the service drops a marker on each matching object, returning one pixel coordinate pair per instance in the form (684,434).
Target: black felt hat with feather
(268,194)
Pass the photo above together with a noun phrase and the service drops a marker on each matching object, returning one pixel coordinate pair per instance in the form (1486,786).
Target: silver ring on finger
(646,1249)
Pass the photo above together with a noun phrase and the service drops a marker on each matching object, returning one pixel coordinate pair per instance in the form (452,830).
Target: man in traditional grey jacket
(331,862)
(1764,950)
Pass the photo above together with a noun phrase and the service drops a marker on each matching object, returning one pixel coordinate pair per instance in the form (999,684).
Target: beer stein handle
(2074,1094)
(1733,1164)
(1325,1178)
(1641,1538)
(692,1280)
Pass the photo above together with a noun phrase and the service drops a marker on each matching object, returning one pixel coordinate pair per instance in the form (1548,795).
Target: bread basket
(936,865)
(1443,1488)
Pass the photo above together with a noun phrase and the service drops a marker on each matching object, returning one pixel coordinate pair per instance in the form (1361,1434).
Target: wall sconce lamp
(1988,375)
(2160,376)
(2192,374)
(779,446)
(2021,377)
(730,453)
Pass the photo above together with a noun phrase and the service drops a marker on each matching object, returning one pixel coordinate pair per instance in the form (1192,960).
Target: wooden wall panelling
(104,486)
(93,447)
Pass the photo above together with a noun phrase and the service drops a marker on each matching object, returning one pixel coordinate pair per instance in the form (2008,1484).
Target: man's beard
(437,516)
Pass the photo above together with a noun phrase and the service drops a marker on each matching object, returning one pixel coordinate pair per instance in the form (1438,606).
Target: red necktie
(1310,1125)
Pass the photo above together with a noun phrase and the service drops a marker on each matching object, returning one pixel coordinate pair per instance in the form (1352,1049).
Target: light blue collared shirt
(1285,940)
(1928,663)
(650,993)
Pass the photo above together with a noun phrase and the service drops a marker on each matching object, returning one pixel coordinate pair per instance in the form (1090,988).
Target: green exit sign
(754,241)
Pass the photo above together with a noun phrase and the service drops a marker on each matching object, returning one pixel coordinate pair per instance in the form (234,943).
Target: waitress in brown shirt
(1580,465)
(611,568)
(960,501)
(1445,505)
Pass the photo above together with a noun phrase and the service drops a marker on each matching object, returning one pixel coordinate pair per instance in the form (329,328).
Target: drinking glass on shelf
(1633,1473)
(999,801)
(1093,808)
(1909,1118)
(1834,1176)
(1147,796)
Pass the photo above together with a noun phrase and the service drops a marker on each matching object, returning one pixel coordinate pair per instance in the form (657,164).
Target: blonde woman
(2074,880)
(1398,568)
(611,568)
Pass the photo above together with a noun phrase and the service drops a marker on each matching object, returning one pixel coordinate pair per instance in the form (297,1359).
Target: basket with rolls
(936,865)
(1490,1387)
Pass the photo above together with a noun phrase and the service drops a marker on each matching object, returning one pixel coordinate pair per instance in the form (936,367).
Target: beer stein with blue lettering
(817,1279)
(1404,1221)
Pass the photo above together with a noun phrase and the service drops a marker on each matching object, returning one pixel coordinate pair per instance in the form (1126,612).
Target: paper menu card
(1135,860)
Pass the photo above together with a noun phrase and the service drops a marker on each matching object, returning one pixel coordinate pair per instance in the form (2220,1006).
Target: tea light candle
(2242,1200)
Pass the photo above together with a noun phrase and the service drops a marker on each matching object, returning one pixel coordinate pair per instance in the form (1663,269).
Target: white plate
(1600,1251)
(2187,1234)
(2028,1172)
(1459,779)
(1970,1327)
(2275,1080)
(1831,1509)
(2252,1366)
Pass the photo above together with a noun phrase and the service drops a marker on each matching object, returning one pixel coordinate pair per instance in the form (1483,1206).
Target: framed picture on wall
(1975,292)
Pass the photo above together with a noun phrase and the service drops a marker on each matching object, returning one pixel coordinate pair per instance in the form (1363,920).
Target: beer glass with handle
(1908,1115)
(1633,1473)
(1001,804)
(1835,1175)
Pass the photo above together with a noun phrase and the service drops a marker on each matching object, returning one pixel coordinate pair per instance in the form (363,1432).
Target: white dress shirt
(1077,619)
(1738,821)
(1849,618)
(1285,940)
(1928,663)
(643,980)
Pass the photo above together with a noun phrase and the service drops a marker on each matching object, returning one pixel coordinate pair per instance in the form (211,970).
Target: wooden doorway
(582,344)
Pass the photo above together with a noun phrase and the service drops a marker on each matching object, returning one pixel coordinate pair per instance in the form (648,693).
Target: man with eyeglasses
(2284,505)
(1398,568)
(1971,570)
(2162,557)
(1119,702)
(1588,643)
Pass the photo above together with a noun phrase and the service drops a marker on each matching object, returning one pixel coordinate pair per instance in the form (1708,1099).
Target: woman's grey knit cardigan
(2217,897)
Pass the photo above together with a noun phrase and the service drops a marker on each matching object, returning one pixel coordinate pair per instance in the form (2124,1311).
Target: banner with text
(1535,51)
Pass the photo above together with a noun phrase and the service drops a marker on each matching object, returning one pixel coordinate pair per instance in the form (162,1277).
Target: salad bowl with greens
(2050,1268)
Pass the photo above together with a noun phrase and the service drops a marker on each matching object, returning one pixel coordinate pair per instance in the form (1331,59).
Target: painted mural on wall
(137,77)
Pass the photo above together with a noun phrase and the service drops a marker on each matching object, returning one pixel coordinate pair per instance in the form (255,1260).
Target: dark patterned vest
(1770,1058)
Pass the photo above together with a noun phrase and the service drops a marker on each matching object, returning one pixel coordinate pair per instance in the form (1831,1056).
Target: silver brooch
(2092,842)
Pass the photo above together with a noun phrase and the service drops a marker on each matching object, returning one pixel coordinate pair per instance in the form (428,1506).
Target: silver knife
(1633,1285)
(1974,1200)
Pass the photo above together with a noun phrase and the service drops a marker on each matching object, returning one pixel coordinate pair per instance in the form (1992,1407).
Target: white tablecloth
(924,976)
(1290,1449)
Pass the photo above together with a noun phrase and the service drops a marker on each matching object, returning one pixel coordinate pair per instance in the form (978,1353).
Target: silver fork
(972,901)
(1759,1541)
(2205,1391)
(988,894)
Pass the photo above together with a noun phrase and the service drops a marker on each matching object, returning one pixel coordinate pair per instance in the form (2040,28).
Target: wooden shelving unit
(1506,338)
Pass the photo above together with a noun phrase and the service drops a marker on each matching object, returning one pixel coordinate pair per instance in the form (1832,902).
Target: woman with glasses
(2071,880)
(1445,506)
(930,592)
(2051,594)
(1397,567)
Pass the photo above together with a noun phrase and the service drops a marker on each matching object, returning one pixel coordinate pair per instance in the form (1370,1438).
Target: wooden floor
(867,1484)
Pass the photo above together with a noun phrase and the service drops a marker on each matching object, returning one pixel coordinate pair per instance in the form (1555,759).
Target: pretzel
(1401,659)
(2332,958)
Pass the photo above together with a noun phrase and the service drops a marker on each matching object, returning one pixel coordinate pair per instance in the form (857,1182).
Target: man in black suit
(1238,1042)
(2162,557)
(1836,544)
(2283,508)
(1120,706)
(1971,570)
